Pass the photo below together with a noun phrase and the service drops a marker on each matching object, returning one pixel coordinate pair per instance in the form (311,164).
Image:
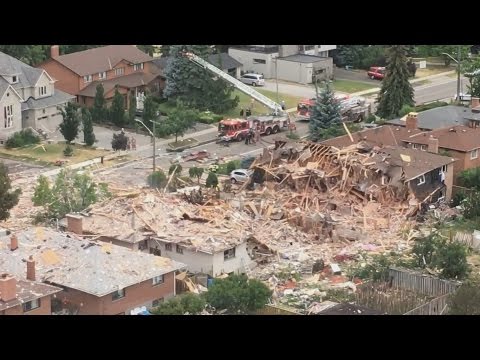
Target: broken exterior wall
(196,261)
(137,295)
(235,264)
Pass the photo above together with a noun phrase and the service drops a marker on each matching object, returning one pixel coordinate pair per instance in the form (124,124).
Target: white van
(253,79)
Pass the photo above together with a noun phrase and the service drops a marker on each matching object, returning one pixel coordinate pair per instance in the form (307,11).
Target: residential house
(299,63)
(97,278)
(379,136)
(28,98)
(460,142)
(24,297)
(223,61)
(442,117)
(168,227)
(122,67)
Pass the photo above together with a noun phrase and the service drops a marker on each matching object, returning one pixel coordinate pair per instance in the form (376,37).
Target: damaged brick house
(25,297)
(205,240)
(122,67)
(96,278)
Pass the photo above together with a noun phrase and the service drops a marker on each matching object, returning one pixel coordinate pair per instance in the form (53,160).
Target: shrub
(22,138)
(68,151)
(212,180)
(157,179)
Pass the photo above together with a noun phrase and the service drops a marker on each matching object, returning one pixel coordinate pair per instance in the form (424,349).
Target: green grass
(52,153)
(349,86)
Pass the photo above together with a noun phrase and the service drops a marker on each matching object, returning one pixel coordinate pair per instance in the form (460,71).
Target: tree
(194,85)
(238,294)
(396,89)
(71,122)
(150,109)
(71,192)
(132,109)
(212,180)
(325,114)
(157,179)
(184,304)
(99,110)
(466,300)
(88,135)
(119,142)
(196,172)
(117,110)
(179,120)
(8,198)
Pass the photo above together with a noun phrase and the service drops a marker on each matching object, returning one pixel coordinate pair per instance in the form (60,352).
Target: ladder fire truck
(352,109)
(237,129)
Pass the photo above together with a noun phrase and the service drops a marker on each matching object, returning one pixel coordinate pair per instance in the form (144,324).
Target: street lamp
(457,61)
(153,136)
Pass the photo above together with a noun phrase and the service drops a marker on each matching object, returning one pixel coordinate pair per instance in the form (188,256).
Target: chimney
(75,224)
(432,144)
(54,51)
(411,122)
(13,242)
(8,288)
(475,102)
(31,269)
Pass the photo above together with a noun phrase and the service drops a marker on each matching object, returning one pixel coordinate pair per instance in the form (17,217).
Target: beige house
(28,98)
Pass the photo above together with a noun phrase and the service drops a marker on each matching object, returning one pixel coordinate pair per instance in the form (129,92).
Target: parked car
(376,73)
(253,79)
(240,175)
(463,97)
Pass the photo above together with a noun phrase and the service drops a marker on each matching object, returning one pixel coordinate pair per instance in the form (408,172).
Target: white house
(27,98)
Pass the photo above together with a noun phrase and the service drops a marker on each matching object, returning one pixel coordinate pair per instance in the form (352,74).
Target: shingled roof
(100,59)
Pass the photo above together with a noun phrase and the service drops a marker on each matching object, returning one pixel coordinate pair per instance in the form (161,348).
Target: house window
(157,280)
(179,249)
(31,305)
(474,154)
(14,79)
(88,78)
(102,75)
(119,71)
(168,247)
(157,302)
(421,180)
(42,90)
(259,61)
(137,67)
(423,147)
(8,116)
(229,254)
(118,294)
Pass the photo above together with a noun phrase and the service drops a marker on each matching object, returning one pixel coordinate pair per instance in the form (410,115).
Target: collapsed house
(209,239)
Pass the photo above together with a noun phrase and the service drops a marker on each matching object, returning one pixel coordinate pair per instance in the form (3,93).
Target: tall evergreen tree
(396,90)
(194,85)
(132,108)
(71,122)
(88,135)
(8,198)
(117,111)
(99,107)
(325,115)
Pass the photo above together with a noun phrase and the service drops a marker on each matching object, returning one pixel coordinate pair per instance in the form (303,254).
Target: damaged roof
(415,162)
(380,136)
(28,291)
(460,138)
(133,218)
(95,268)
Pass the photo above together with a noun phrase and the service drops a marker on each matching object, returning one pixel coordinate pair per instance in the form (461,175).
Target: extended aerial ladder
(276,108)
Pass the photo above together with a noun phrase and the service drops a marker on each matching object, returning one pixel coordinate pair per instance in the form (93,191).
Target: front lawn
(50,153)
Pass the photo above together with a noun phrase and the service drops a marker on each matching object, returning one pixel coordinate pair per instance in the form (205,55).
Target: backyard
(50,153)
